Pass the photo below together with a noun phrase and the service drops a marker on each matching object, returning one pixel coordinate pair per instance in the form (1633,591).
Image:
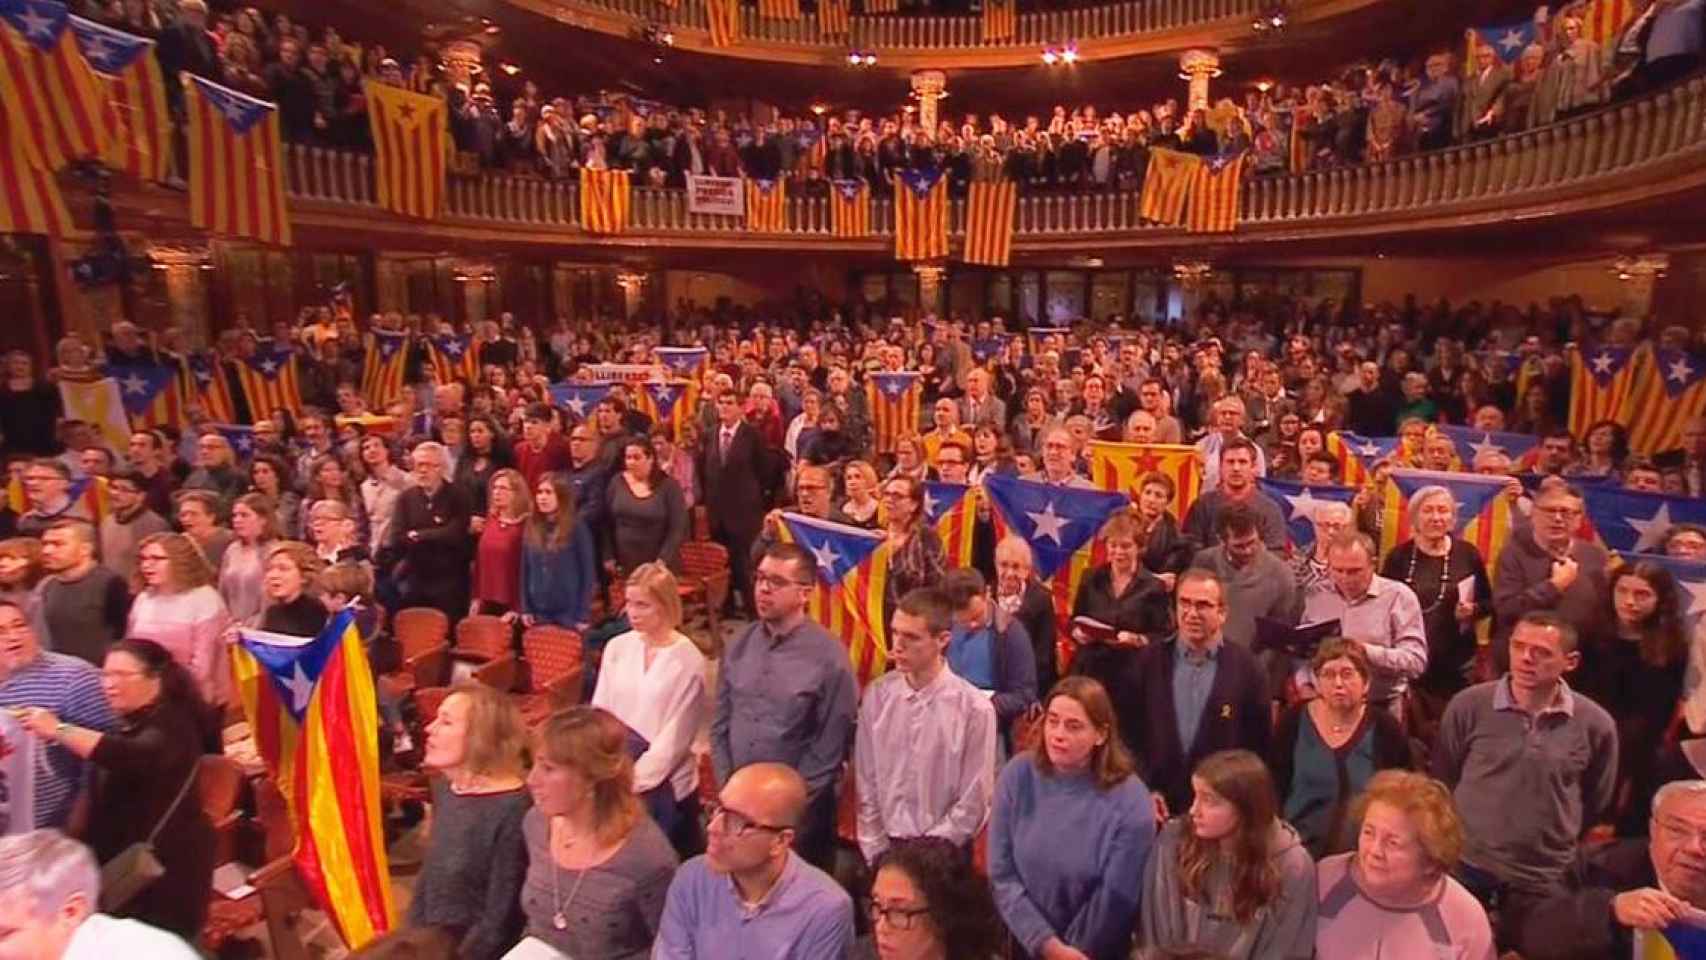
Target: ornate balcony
(1628,153)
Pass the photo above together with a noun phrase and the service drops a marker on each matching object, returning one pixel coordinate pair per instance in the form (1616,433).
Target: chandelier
(1644,266)
(1191,273)
(630,281)
(1270,19)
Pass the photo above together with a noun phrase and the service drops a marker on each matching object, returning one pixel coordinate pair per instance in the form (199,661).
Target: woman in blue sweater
(559,569)
(1071,829)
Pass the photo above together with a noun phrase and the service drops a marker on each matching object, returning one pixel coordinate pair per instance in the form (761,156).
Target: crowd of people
(1368,112)
(1403,784)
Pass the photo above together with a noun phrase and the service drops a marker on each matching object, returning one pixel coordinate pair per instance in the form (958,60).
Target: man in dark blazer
(732,468)
(1195,694)
(429,537)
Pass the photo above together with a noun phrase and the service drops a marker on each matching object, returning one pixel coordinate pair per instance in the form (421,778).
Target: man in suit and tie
(980,405)
(1480,92)
(732,461)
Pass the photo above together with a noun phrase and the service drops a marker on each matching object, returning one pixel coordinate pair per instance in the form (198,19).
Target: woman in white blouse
(653,679)
(179,609)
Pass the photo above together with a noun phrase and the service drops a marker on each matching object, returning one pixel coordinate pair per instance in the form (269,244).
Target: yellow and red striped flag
(1215,195)
(410,145)
(129,74)
(779,9)
(873,7)
(1600,382)
(991,207)
(605,197)
(236,163)
(1000,20)
(952,509)
(833,19)
(90,395)
(310,702)
(1121,467)
(766,206)
(53,99)
(1604,20)
(850,208)
(152,394)
(1167,185)
(920,215)
(669,402)
(724,17)
(30,199)
(454,358)
(269,383)
(1358,455)
(852,577)
(895,400)
(1669,390)
(384,358)
(203,381)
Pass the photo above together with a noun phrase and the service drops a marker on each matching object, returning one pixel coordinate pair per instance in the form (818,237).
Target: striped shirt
(71,689)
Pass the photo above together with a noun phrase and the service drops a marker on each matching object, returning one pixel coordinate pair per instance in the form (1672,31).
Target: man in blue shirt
(750,896)
(65,685)
(988,649)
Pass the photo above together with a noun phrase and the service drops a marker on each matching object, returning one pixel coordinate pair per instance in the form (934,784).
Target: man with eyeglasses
(1545,566)
(127,522)
(47,497)
(64,685)
(785,694)
(750,896)
(811,497)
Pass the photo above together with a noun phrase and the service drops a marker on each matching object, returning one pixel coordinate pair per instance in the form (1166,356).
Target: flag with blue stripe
(1298,504)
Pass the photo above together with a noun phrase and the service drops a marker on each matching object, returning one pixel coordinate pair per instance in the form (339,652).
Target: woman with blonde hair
(862,503)
(177,607)
(470,880)
(598,868)
(254,526)
(652,678)
(291,608)
(497,551)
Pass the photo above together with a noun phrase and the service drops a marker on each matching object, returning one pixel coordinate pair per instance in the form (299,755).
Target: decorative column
(929,86)
(1198,67)
(929,286)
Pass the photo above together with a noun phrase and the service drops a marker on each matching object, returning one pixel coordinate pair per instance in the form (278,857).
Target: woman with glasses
(1071,892)
(929,903)
(598,868)
(916,557)
(177,607)
(1325,749)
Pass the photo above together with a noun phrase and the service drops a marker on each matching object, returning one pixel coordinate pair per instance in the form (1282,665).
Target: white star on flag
(826,556)
(576,404)
(929,504)
(269,367)
(1696,590)
(301,690)
(1303,505)
(1602,363)
(1485,446)
(36,25)
(1369,450)
(1680,371)
(454,348)
(97,51)
(1512,40)
(1652,529)
(1048,524)
(135,384)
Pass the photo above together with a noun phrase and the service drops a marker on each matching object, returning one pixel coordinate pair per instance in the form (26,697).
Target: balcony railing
(1606,149)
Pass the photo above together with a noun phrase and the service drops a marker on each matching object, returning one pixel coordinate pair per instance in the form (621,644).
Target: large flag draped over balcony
(53,100)
(236,163)
(894,400)
(1215,192)
(832,18)
(779,9)
(1000,20)
(850,208)
(766,206)
(605,197)
(920,215)
(310,702)
(1600,381)
(724,16)
(1669,390)
(411,141)
(384,357)
(990,210)
(30,200)
(1167,185)
(129,75)
(852,578)
(1604,20)
(1122,467)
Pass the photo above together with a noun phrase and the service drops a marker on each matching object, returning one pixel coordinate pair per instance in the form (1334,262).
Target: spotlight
(1263,86)
(861,58)
(1063,53)
(1271,19)
(820,109)
(1049,57)
(509,69)
(1070,54)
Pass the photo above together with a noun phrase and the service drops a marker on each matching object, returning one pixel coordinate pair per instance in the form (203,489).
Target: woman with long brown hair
(559,565)
(177,607)
(1230,875)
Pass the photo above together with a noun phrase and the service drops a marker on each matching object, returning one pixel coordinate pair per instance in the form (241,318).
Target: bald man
(750,896)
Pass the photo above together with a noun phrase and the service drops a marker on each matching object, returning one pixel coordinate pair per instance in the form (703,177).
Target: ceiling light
(1049,57)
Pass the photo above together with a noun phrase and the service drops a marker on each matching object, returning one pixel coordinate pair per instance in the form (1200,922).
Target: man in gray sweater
(84,604)
(1545,566)
(1257,582)
(1238,470)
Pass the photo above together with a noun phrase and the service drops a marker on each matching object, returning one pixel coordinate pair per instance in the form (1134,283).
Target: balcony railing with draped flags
(1607,149)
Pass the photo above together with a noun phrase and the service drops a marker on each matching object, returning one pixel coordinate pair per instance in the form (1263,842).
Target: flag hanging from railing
(269,382)
(766,206)
(1216,191)
(454,358)
(952,509)
(1121,467)
(1000,20)
(54,102)
(1298,504)
(850,208)
(30,199)
(852,579)
(1167,185)
(920,215)
(1669,390)
(670,402)
(152,394)
(894,400)
(833,19)
(873,7)
(410,144)
(604,200)
(310,702)
(779,9)
(1600,381)
(1604,20)
(129,74)
(204,383)
(991,208)
(724,17)
(384,357)
(236,163)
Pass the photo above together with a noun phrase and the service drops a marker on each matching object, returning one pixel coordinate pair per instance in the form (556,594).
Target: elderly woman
(178,608)
(1395,896)
(1309,567)
(916,557)
(1021,596)
(1326,748)
(1450,581)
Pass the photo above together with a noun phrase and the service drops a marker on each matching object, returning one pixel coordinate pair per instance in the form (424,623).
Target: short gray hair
(1420,496)
(434,448)
(1677,788)
(49,868)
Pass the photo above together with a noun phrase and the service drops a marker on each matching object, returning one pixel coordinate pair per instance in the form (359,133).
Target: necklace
(1444,573)
(560,917)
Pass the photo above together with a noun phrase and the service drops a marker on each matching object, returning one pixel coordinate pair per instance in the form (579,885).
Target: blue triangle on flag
(41,22)
(920,182)
(451,345)
(1680,370)
(1605,363)
(894,385)
(269,363)
(241,438)
(579,398)
(665,396)
(1297,504)
(1054,520)
(1628,520)
(107,50)
(1473,492)
(389,343)
(941,498)
(1369,449)
(849,188)
(294,664)
(682,360)
(139,384)
(1470,443)
(241,111)
(1508,40)
(839,549)
(202,368)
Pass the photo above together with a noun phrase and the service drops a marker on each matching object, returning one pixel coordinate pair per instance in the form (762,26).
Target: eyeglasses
(769,582)
(899,918)
(1560,512)
(735,823)
(1680,832)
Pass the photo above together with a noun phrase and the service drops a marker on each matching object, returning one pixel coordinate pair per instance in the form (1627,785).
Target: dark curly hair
(961,909)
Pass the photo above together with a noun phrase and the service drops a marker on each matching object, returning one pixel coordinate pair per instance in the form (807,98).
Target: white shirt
(1387,618)
(102,938)
(665,703)
(924,759)
(379,493)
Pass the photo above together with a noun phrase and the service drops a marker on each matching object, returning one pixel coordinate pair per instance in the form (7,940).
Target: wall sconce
(1191,273)
(861,58)
(630,281)
(1066,53)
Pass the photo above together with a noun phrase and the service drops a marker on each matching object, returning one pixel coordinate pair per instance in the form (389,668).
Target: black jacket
(1577,923)
(734,485)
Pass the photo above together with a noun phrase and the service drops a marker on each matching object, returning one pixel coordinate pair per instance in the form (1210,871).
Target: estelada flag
(1669,390)
(604,200)
(310,702)
(93,397)
(1600,382)
(269,382)
(382,367)
(833,19)
(852,578)
(410,143)
(684,362)
(850,208)
(1216,192)
(1357,454)
(881,6)
(724,16)
(151,394)
(766,206)
(236,163)
(54,102)
(952,509)
(1122,467)
(204,384)
(779,9)
(1604,20)
(30,198)
(668,402)
(1000,20)
(1167,185)
(1484,513)
(920,215)
(990,209)
(894,400)
(129,74)
(454,358)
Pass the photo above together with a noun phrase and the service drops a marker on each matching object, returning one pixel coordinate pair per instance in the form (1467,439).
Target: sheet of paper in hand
(1297,642)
